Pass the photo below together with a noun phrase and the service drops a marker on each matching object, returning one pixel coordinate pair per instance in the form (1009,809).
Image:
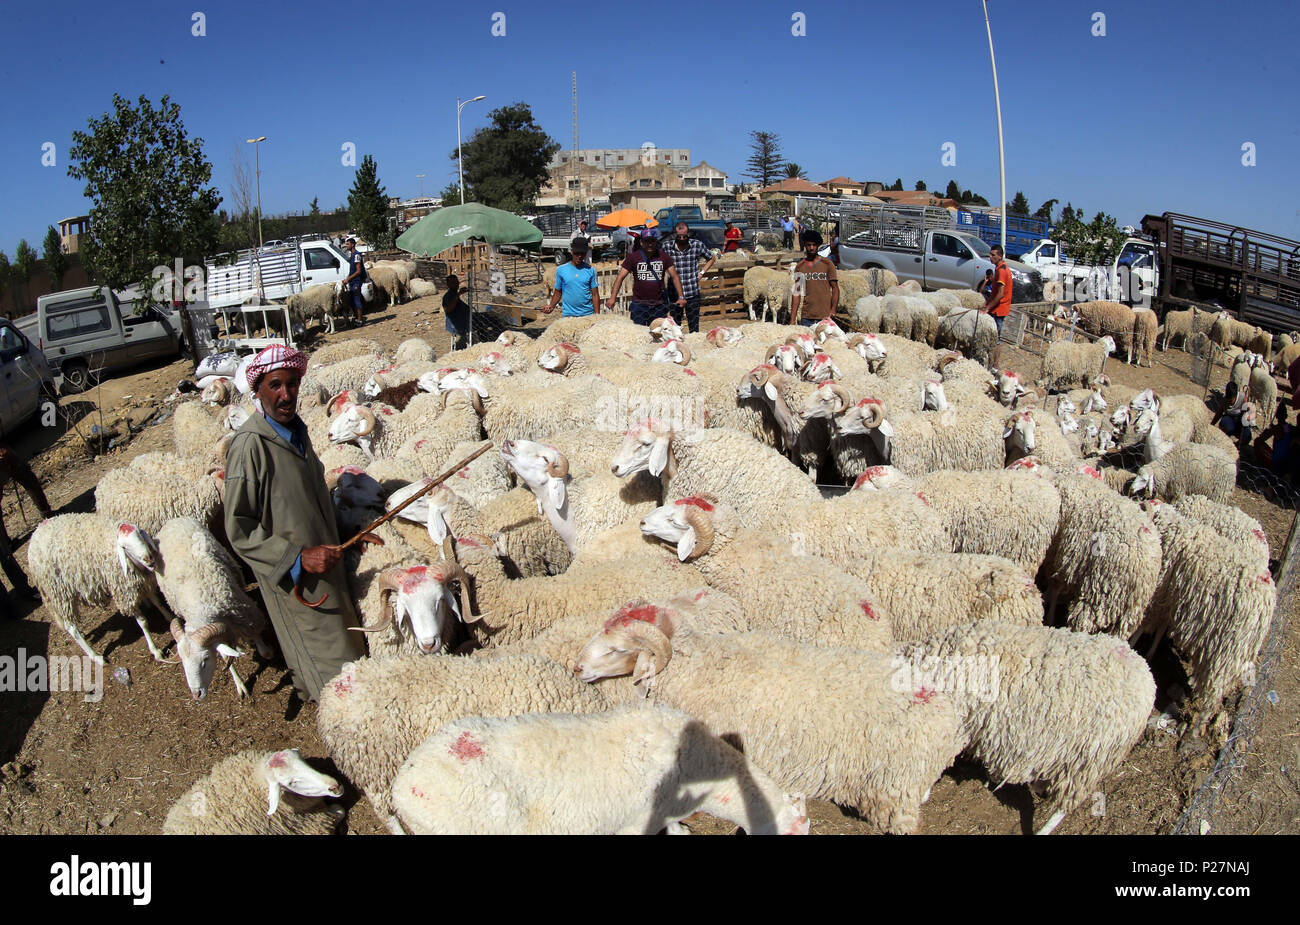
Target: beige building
(843,186)
(71,230)
(652,188)
(633,184)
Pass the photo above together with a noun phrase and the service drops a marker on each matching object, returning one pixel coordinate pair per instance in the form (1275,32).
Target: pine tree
(1045,210)
(56,262)
(23,267)
(764,164)
(953,192)
(368,203)
(920,185)
(315,206)
(1019,204)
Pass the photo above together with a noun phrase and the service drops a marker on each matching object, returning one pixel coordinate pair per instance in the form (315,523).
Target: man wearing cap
(280,520)
(356,276)
(651,266)
(575,282)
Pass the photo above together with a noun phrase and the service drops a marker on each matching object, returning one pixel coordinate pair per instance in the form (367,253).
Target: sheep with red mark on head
(375,712)
(879,750)
(644,769)
(256,792)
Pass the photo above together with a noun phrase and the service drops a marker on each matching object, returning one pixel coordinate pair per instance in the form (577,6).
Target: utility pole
(1002,155)
(255,142)
(460,161)
(577,171)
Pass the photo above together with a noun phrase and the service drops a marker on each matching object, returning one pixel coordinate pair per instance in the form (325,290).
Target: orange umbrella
(627,218)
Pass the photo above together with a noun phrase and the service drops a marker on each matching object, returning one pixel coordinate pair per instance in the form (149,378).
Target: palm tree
(794,172)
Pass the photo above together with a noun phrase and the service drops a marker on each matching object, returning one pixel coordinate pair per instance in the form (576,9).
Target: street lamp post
(257,157)
(997,101)
(460,163)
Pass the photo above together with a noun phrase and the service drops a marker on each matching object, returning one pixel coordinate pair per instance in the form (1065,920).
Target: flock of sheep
(640,605)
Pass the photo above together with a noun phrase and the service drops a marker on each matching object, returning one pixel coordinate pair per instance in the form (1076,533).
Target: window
(683,157)
(718,181)
(944,246)
(9,339)
(78,321)
(620,158)
(320,259)
(1049,250)
(659,184)
(688,181)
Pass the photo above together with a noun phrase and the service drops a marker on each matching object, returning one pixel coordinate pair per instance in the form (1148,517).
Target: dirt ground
(70,766)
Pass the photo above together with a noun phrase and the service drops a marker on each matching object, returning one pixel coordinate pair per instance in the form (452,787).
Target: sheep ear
(437,525)
(770,391)
(272,796)
(686,545)
(643,670)
(1007,433)
(886,428)
(659,456)
(556,491)
(121,558)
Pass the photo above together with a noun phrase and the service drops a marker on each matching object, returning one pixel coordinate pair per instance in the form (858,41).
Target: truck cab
(84,332)
(282,272)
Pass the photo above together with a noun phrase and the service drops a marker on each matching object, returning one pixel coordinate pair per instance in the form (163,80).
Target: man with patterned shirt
(686,253)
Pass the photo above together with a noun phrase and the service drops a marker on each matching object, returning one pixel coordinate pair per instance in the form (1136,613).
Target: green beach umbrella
(452,225)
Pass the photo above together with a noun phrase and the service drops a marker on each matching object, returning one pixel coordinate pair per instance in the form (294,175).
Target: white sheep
(1041,704)
(644,768)
(1188,469)
(879,750)
(91,560)
(194,430)
(345,349)
(799,597)
(350,373)
(1232,524)
(420,288)
(1069,365)
(258,793)
(204,587)
(972,332)
(1215,601)
(375,712)
(157,487)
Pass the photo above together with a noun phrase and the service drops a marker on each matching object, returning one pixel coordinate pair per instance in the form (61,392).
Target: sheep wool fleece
(276,506)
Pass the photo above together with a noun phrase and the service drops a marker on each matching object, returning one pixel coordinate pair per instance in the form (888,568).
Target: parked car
(25,378)
(85,332)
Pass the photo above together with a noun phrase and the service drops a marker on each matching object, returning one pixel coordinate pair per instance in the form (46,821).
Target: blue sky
(1149,118)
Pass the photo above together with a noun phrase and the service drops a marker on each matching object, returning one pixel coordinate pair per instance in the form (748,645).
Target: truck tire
(76,377)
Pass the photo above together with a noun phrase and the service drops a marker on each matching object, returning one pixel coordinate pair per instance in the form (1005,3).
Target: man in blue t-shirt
(575,282)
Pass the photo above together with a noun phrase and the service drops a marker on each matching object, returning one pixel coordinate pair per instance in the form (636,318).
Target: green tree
(920,185)
(315,206)
(24,267)
(1019,204)
(1094,242)
(898,185)
(450,195)
(147,182)
(953,192)
(505,161)
(5,272)
(368,203)
(1045,210)
(56,262)
(764,164)
(793,171)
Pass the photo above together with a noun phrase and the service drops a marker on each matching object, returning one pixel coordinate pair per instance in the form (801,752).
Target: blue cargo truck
(1023,232)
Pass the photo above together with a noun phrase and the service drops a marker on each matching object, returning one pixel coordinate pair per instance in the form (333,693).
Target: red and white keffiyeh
(276,356)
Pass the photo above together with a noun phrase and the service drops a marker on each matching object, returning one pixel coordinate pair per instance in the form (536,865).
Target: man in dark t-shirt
(649,265)
(816,290)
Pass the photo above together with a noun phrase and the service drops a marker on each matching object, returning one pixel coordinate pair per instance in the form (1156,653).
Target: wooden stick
(367,536)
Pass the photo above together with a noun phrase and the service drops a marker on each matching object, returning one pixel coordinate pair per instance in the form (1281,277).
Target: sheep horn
(209,634)
(877,411)
(560,468)
(702,524)
(389,582)
(444,401)
(369,417)
(331,406)
(457,572)
(476,401)
(650,640)
(686,353)
(771,352)
(842,394)
(854,340)
(947,359)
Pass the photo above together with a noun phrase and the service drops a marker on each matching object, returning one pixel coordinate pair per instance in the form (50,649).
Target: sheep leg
(153,649)
(239,682)
(1052,823)
(1155,644)
(676,828)
(394,826)
(85,646)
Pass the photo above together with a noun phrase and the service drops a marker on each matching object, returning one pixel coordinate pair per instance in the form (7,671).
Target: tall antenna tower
(577,173)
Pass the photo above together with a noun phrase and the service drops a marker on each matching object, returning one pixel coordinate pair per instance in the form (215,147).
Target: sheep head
(136,550)
(356,425)
(647,446)
(218,392)
(870,347)
(1108,343)
(377,383)
(933,397)
(766,382)
(1143,484)
(543,468)
(1009,388)
(286,770)
(420,599)
(724,336)
(556,359)
(1028,464)
(673,351)
(197,651)
(665,329)
(507,338)
(633,640)
(804,343)
(687,523)
(340,401)
(880,478)
(1019,432)
(784,357)
(828,400)
(352,487)
(865,417)
(827,328)
(821,368)
(496,364)
(235,417)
